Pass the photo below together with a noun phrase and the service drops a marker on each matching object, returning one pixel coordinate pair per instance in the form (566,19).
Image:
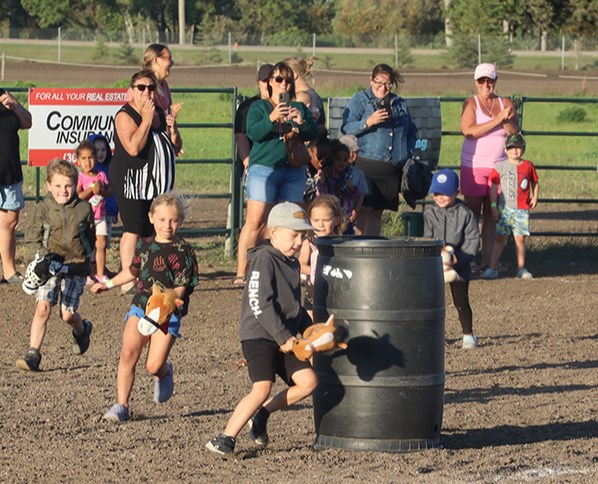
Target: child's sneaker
(31,361)
(524,274)
(164,387)
(118,413)
(257,427)
(470,342)
(489,274)
(222,444)
(82,340)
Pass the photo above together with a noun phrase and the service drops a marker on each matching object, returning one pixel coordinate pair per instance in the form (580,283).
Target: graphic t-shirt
(514,182)
(168,265)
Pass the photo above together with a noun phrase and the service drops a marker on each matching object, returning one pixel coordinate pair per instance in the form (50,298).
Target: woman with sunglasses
(486,120)
(144,160)
(386,135)
(270,179)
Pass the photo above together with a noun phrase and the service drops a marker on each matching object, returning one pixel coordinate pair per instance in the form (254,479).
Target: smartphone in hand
(284,98)
(385,104)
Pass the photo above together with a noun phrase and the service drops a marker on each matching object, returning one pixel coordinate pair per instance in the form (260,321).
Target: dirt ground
(522,407)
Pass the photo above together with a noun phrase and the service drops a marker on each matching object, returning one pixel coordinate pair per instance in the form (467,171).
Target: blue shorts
(271,185)
(174,325)
(11,197)
(513,221)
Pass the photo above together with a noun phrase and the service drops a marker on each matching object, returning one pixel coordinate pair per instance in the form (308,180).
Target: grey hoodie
(457,226)
(271,307)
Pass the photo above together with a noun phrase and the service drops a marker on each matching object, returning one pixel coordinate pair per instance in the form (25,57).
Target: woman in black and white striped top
(143,165)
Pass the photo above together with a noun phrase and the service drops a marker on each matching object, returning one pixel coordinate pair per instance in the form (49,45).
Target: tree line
(337,22)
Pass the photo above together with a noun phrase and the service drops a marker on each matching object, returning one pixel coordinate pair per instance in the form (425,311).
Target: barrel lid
(362,241)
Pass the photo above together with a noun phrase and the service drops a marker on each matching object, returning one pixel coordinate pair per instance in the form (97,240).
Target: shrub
(573,114)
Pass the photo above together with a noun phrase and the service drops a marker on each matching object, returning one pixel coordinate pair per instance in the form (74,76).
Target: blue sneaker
(164,387)
(118,413)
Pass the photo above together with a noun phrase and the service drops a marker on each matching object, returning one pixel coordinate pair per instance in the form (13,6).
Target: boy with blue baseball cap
(449,219)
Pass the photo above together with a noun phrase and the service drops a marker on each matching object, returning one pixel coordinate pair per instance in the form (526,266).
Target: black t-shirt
(10,160)
(241,115)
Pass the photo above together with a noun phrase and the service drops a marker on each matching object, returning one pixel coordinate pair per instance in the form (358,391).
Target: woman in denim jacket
(386,135)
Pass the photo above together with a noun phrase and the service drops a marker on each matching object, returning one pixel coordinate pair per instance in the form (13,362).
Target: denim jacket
(391,141)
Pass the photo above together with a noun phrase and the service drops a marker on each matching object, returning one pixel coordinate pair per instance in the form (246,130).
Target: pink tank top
(486,151)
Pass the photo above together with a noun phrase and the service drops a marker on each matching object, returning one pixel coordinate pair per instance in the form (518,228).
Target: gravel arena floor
(522,407)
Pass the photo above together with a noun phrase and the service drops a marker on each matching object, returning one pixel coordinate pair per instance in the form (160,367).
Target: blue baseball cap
(444,181)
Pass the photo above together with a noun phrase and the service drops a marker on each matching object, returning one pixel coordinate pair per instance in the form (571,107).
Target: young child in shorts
(167,260)
(62,224)
(449,219)
(271,317)
(325,215)
(513,194)
(337,180)
(93,186)
(103,160)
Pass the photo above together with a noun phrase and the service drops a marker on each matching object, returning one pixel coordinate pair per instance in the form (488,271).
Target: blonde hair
(171,199)
(333,203)
(61,167)
(302,67)
(152,51)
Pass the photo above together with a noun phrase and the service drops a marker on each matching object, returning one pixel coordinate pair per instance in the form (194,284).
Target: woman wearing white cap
(486,120)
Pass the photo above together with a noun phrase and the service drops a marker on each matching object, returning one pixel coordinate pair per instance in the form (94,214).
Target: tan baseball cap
(289,216)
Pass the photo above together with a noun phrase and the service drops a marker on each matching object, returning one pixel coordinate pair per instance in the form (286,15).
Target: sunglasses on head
(143,87)
(279,79)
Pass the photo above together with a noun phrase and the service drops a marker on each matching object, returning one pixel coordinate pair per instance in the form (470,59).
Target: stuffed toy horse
(158,310)
(318,338)
(448,260)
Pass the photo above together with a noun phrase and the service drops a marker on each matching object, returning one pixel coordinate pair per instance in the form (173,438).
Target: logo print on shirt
(159,264)
(253,289)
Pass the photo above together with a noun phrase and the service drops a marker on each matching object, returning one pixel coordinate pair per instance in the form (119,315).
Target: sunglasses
(279,79)
(143,87)
(387,85)
(485,80)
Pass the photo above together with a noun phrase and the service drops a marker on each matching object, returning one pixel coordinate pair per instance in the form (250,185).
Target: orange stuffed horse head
(318,338)
(158,310)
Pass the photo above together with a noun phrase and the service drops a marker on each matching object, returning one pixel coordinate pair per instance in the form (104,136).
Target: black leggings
(460,292)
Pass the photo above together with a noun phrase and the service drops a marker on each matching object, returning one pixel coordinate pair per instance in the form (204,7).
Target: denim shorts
(271,185)
(174,325)
(11,197)
(513,221)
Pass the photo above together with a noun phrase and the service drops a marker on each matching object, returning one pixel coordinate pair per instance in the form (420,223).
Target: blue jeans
(271,185)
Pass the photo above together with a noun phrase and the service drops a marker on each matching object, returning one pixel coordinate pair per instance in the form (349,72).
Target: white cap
(485,70)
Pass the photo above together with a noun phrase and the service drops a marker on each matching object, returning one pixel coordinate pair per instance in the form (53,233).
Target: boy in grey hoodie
(449,219)
(271,316)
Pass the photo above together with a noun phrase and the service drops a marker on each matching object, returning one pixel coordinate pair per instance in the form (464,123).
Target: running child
(62,224)
(449,219)
(271,316)
(93,186)
(513,194)
(167,260)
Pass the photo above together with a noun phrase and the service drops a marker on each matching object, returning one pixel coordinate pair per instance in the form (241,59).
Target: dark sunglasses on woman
(142,87)
(279,79)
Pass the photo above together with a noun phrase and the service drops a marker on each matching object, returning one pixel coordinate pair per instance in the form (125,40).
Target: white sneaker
(470,342)
(524,274)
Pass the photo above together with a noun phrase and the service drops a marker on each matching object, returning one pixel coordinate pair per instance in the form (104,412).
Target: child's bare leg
(133,343)
(101,255)
(160,346)
(305,381)
(73,320)
(39,324)
(248,405)
(499,246)
(520,251)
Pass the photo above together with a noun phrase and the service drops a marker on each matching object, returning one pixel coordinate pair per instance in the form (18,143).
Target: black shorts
(384,183)
(134,215)
(265,361)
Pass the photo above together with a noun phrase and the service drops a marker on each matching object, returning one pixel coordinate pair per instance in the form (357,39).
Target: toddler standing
(449,219)
(513,194)
(93,186)
(62,224)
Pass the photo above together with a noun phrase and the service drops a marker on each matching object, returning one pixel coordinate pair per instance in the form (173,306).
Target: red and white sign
(64,117)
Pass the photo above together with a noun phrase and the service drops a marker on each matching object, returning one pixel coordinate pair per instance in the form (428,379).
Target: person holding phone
(381,122)
(13,117)
(270,179)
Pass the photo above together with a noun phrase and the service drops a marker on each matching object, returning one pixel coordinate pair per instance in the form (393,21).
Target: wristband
(109,284)
(493,205)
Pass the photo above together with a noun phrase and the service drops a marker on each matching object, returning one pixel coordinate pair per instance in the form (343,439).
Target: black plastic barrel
(386,391)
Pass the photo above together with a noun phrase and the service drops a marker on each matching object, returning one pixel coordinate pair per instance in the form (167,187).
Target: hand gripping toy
(448,259)
(318,338)
(41,269)
(158,310)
